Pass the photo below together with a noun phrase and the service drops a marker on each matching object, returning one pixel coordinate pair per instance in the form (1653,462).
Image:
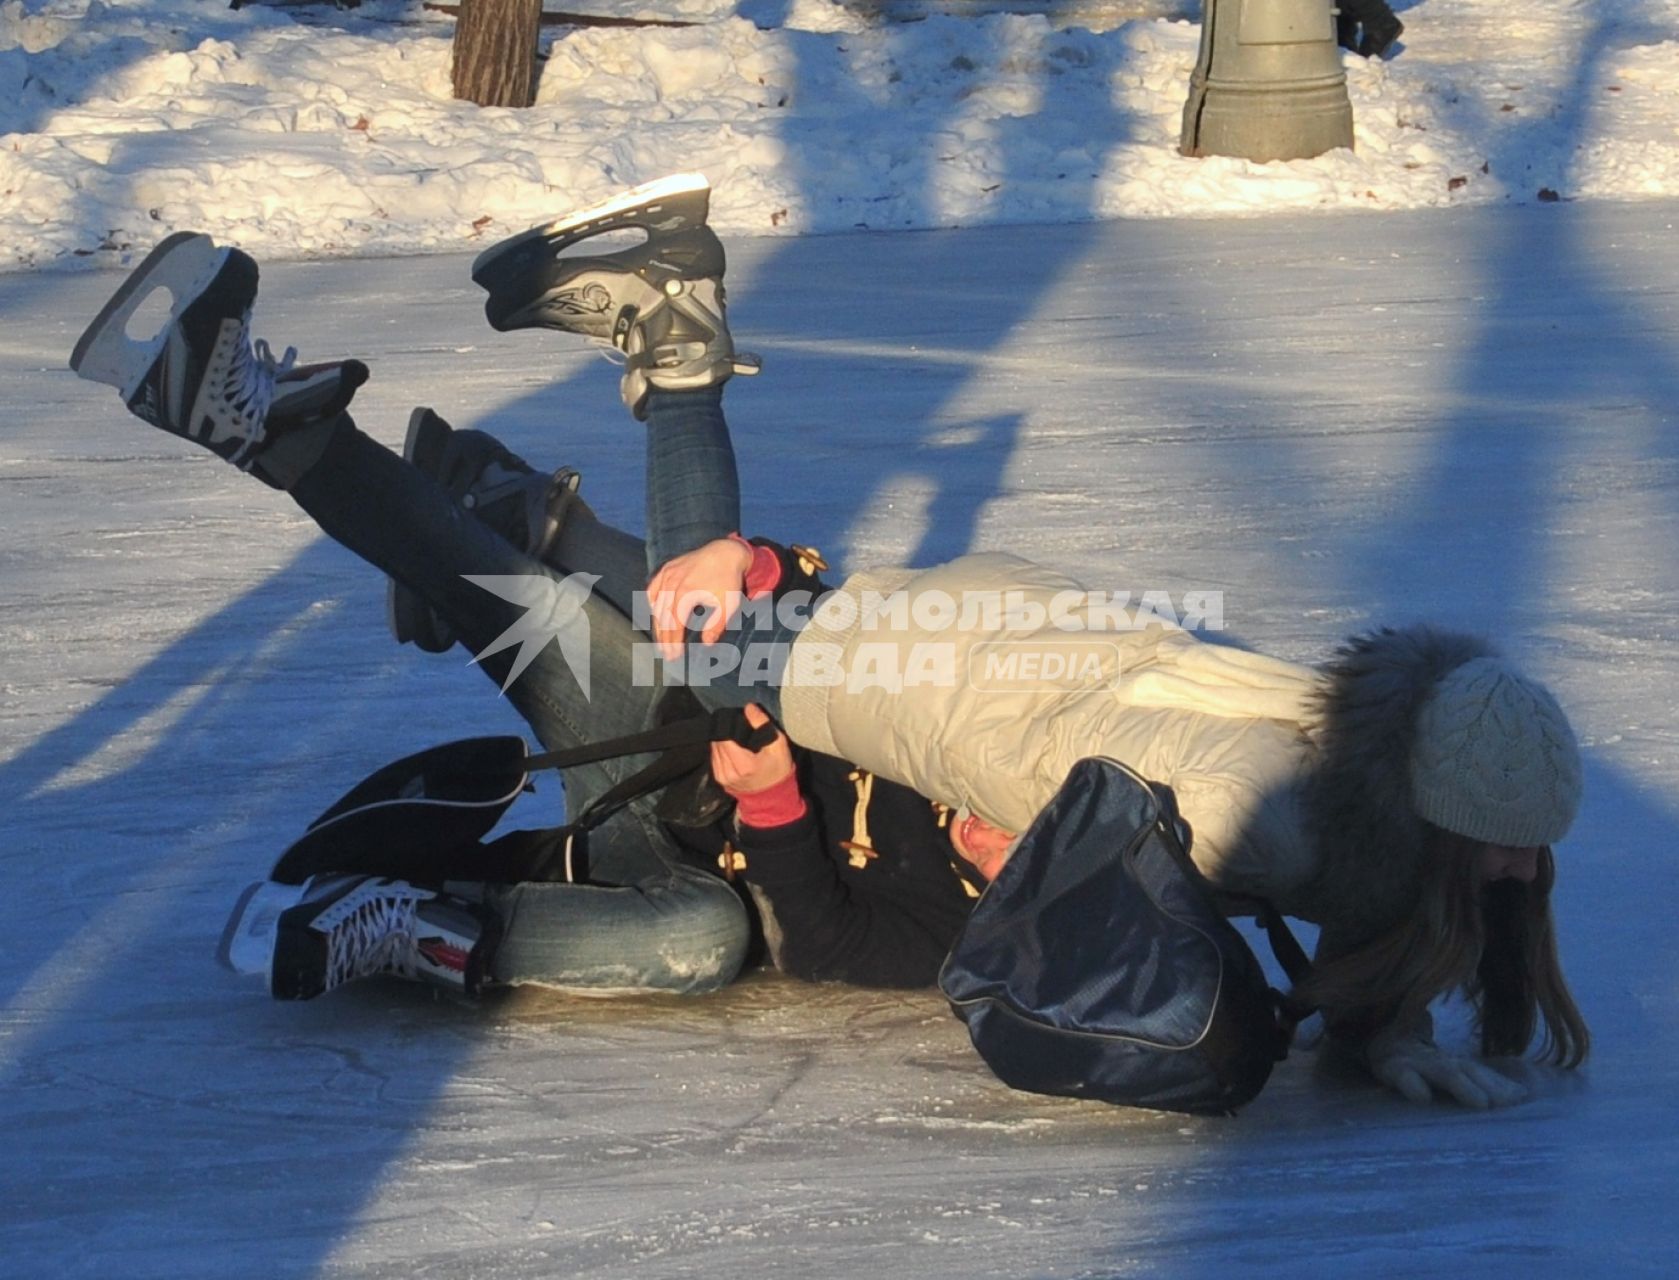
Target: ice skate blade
(644,199)
(247,943)
(647,194)
(183,264)
(418,417)
(410,618)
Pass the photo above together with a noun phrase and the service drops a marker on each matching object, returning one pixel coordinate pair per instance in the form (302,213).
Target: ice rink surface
(1337,421)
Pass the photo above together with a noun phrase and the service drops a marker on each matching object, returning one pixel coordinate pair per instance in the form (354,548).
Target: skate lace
(377,937)
(250,384)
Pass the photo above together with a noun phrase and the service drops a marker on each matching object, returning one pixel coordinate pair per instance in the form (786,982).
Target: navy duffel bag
(1099,965)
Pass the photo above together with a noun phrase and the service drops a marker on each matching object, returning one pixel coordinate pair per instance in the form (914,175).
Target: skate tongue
(309,392)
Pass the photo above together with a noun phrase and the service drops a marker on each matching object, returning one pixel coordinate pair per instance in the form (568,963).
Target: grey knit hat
(1494,759)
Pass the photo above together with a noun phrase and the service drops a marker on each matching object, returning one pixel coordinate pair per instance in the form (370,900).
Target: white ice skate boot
(200,376)
(307,939)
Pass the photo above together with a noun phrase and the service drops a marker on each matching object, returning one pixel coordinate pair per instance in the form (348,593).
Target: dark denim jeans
(653,923)
(693,497)
(693,488)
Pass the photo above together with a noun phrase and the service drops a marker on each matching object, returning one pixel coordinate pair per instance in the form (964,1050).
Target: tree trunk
(495,52)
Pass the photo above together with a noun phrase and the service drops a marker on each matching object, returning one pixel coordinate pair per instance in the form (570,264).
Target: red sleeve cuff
(764,574)
(773,806)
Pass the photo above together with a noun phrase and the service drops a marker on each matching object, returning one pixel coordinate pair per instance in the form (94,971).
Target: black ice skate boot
(660,301)
(524,506)
(200,376)
(332,929)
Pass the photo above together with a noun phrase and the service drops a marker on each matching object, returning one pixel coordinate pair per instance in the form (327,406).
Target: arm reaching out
(713,577)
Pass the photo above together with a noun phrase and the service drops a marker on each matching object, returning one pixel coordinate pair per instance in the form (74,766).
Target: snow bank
(309,131)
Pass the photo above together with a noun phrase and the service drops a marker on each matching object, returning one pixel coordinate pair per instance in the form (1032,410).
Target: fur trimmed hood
(1368,835)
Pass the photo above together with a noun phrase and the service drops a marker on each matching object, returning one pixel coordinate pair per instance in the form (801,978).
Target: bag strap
(1284,945)
(572,860)
(671,765)
(726,724)
(683,746)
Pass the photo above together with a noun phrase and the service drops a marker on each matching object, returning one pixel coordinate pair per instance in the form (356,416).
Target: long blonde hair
(1495,943)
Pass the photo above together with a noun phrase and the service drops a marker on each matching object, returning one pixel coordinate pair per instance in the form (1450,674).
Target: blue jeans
(651,922)
(693,497)
(693,488)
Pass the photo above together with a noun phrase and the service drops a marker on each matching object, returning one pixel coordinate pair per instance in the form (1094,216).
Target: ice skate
(307,939)
(524,506)
(659,301)
(200,376)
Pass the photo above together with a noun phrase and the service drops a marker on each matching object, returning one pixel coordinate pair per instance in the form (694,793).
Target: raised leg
(693,486)
(563,654)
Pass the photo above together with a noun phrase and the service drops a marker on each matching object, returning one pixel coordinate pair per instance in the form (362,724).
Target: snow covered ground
(1375,411)
(1463,415)
(307,131)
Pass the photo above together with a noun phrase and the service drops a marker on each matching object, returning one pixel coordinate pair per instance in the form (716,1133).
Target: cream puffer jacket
(1229,731)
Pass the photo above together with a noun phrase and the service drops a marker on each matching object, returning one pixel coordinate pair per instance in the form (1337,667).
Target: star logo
(553,611)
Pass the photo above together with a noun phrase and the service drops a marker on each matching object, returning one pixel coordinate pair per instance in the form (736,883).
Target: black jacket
(865,888)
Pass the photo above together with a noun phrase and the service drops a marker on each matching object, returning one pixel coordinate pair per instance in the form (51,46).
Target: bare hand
(711,577)
(741,771)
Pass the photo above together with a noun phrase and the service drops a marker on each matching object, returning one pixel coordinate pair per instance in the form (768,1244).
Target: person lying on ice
(855,878)
(1404,797)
